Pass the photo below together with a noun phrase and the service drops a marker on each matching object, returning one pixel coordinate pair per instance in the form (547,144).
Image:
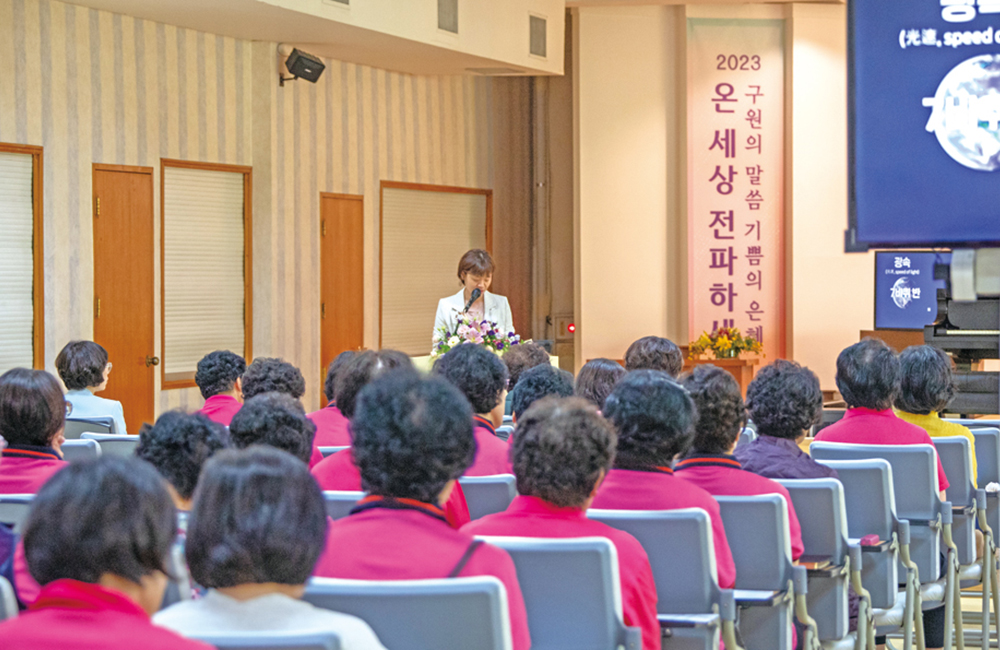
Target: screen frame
(875,275)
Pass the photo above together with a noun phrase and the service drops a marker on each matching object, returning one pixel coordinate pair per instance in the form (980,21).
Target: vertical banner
(736,160)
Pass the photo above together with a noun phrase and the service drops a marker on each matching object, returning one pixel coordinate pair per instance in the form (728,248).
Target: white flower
(454,340)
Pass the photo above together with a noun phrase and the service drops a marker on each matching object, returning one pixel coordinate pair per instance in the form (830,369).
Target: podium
(740,368)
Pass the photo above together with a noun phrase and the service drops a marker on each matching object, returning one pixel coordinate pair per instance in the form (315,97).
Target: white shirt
(87,405)
(217,613)
(496,309)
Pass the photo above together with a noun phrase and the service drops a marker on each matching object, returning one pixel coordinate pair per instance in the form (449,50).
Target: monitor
(924,123)
(905,288)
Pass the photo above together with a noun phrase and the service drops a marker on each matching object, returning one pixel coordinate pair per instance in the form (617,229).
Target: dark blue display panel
(905,289)
(924,83)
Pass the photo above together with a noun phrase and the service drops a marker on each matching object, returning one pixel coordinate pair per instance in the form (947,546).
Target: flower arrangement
(725,343)
(468,330)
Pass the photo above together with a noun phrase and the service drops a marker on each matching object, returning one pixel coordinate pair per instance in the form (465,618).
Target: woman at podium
(475,272)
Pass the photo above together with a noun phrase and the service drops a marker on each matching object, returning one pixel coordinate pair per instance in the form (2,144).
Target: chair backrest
(868,496)
(271,640)
(80,449)
(681,552)
(113,444)
(340,503)
(987,455)
(329,451)
(747,436)
(571,591)
(14,510)
(975,424)
(758,534)
(822,512)
(446,614)
(914,473)
(956,459)
(75,427)
(486,495)
(503,432)
(8,601)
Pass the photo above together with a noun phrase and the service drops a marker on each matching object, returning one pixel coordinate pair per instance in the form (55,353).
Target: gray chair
(915,490)
(445,614)
(988,470)
(8,601)
(747,436)
(271,640)
(682,555)
(822,512)
(504,432)
(14,510)
(113,444)
(340,503)
(758,534)
(329,451)
(80,449)
(974,423)
(75,427)
(486,495)
(572,592)
(180,586)
(508,419)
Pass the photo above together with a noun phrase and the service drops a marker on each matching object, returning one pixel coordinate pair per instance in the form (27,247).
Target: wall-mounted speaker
(302,65)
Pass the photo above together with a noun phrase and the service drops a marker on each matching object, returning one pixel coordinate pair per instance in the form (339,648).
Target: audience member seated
(536,383)
(927,386)
(8,541)
(710,464)
(596,379)
(562,451)
(84,369)
(784,400)
(518,359)
(482,377)
(97,539)
(269,375)
(412,440)
(331,423)
(178,446)
(220,380)
(339,472)
(32,414)
(868,378)
(654,418)
(654,353)
(238,547)
(276,420)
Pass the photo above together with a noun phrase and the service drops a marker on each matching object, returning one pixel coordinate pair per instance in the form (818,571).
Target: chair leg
(913,619)
(952,597)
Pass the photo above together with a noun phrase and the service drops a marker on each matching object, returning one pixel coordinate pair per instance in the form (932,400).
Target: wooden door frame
(425,187)
(247,172)
(37,249)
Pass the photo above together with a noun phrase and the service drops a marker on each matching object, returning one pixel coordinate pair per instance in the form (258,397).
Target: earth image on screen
(902,292)
(965,113)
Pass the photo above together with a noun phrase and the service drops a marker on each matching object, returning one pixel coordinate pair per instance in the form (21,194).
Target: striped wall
(91,86)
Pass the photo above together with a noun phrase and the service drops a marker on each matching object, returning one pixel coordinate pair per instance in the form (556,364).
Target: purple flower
(499,345)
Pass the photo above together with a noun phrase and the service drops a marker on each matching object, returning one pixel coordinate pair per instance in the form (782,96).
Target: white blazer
(497,309)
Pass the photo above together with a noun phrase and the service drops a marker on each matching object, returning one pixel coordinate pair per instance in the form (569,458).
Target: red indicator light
(571,328)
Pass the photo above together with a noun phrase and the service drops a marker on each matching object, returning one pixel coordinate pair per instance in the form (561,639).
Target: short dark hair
(276,420)
(596,379)
(476,261)
(218,371)
(258,517)
(333,371)
(270,375)
(477,372)
(654,417)
(868,375)
(411,436)
(178,446)
(107,515)
(364,368)
(523,357)
(654,353)
(539,382)
(32,407)
(561,446)
(81,364)
(784,399)
(721,413)
(927,383)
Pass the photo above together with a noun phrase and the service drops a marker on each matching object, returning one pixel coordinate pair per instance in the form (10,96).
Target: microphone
(475,296)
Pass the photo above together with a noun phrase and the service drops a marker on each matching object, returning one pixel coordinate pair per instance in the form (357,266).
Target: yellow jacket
(938,428)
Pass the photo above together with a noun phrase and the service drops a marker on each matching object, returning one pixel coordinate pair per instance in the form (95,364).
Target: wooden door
(123,286)
(342,317)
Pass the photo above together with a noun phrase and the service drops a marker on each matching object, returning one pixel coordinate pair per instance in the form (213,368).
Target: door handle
(152,361)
